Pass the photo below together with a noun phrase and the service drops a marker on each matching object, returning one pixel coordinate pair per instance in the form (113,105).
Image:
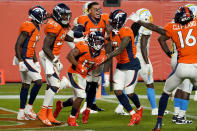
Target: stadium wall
(13,13)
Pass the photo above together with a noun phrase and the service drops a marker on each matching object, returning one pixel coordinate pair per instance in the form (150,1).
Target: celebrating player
(26,59)
(55,31)
(183,33)
(82,60)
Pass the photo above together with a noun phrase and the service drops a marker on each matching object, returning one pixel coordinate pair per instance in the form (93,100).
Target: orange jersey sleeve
(27,27)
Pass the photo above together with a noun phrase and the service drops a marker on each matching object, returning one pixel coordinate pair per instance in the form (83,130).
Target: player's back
(184,36)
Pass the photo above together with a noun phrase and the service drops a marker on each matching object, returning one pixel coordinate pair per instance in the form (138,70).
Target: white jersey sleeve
(145,31)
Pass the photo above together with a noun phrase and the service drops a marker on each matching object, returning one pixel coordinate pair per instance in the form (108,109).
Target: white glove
(147,68)
(64,83)
(38,66)
(76,40)
(59,66)
(22,66)
(106,80)
(134,17)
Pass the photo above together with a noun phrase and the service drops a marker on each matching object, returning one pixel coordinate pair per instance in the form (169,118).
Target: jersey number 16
(188,37)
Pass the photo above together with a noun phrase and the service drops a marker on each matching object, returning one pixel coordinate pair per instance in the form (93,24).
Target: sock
(163,102)
(67,102)
(135,100)
(91,94)
(181,113)
(125,95)
(151,97)
(184,104)
(125,102)
(49,95)
(34,92)
(177,105)
(73,111)
(23,97)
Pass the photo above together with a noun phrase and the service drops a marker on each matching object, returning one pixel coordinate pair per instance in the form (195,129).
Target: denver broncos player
(128,65)
(82,60)
(55,31)
(94,21)
(26,59)
(183,33)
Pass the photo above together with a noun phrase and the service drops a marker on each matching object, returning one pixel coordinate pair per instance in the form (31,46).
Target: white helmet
(144,15)
(85,8)
(193,8)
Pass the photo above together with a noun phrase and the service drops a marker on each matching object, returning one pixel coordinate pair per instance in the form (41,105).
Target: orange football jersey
(90,25)
(184,38)
(54,27)
(28,48)
(129,52)
(85,57)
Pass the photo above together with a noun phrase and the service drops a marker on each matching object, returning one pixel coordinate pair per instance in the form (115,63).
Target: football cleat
(154,112)
(96,108)
(174,118)
(183,120)
(57,109)
(42,116)
(157,126)
(31,115)
(71,121)
(140,111)
(21,116)
(51,117)
(135,119)
(85,116)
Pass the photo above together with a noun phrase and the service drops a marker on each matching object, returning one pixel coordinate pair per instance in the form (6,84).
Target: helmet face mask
(117,19)
(38,14)
(62,14)
(183,15)
(96,40)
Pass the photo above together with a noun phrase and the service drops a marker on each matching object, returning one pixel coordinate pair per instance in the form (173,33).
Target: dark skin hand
(162,41)
(48,41)
(144,41)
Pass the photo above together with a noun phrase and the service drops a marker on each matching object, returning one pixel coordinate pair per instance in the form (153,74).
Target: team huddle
(94,40)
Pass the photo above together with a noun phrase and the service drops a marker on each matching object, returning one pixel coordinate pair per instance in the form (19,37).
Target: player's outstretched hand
(99,60)
(134,17)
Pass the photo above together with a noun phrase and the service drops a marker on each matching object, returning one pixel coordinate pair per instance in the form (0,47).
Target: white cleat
(21,116)
(31,114)
(119,110)
(93,111)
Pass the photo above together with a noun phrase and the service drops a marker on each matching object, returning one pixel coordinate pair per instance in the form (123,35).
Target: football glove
(22,66)
(82,69)
(106,79)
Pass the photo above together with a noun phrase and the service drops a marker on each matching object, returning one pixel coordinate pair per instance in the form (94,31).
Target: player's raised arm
(149,26)
(48,41)
(21,39)
(162,41)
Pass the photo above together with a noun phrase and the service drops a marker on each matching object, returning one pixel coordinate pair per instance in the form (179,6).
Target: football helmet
(193,8)
(183,15)
(62,14)
(144,15)
(37,14)
(96,40)
(117,19)
(85,8)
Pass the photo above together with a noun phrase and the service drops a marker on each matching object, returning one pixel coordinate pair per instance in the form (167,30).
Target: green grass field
(103,121)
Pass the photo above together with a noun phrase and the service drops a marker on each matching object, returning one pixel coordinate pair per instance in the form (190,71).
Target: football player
(82,60)
(55,31)
(142,41)
(183,33)
(25,58)
(128,65)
